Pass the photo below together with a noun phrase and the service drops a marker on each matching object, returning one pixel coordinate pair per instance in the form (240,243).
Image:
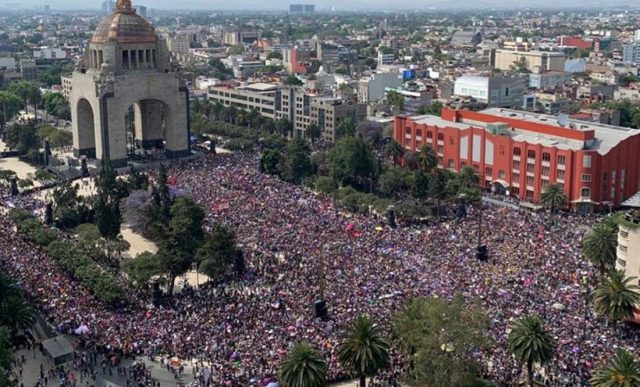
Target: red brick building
(523,152)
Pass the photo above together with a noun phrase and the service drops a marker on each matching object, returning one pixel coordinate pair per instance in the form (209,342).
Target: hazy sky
(323,4)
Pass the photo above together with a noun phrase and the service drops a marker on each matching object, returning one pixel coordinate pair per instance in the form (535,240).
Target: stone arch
(86,128)
(152,122)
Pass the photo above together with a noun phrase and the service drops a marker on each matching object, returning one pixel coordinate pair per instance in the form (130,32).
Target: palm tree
(394,150)
(531,343)
(363,349)
(15,311)
(427,159)
(553,197)
(599,247)
(621,370)
(303,367)
(468,178)
(615,297)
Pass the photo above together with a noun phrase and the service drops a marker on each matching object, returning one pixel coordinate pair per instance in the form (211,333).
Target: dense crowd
(239,331)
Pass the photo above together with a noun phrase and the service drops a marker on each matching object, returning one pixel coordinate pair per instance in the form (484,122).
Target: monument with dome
(127,99)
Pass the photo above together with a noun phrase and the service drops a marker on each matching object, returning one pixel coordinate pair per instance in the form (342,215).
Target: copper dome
(124,26)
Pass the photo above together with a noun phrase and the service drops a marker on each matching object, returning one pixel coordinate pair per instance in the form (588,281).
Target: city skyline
(327,5)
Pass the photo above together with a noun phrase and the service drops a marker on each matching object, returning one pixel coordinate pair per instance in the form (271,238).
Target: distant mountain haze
(324,5)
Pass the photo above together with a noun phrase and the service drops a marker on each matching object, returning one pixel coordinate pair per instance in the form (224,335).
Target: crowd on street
(239,331)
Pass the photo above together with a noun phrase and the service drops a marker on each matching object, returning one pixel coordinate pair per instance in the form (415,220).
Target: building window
(529,194)
(530,181)
(450,163)
(502,175)
(429,134)
(560,174)
(585,192)
(488,171)
(546,156)
(515,191)
(531,154)
(516,164)
(586,177)
(561,160)
(624,234)
(440,149)
(440,137)
(545,171)
(622,262)
(463,164)
(622,248)
(407,130)
(516,177)
(418,133)
(544,183)
(530,167)
(561,186)
(516,151)
(586,161)
(612,193)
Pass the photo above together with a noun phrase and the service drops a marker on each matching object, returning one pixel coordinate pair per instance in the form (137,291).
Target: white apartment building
(494,91)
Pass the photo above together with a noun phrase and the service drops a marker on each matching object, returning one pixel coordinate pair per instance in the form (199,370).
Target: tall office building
(631,52)
(301,8)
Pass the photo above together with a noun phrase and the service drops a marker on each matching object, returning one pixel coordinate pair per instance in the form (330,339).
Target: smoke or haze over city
(330,4)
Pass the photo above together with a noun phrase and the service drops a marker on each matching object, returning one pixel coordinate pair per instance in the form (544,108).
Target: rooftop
(606,136)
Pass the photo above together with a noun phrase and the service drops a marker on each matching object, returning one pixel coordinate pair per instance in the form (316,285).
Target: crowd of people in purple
(240,331)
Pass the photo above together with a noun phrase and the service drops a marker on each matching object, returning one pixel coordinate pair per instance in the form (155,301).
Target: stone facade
(127,66)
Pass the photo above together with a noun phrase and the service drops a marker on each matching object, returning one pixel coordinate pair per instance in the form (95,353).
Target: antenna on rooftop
(563,119)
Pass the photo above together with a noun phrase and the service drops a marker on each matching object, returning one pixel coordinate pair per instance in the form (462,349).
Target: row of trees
(70,257)
(440,338)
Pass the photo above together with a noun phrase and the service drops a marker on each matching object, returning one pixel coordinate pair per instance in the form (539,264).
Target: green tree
(599,247)
(217,255)
(364,349)
(270,162)
(90,240)
(296,163)
(395,181)
(22,138)
(427,159)
(440,337)
(141,269)
(435,108)
(351,161)
(467,179)
(346,127)
(284,127)
(236,49)
(107,205)
(394,150)
(531,343)
(314,132)
(292,80)
(5,358)
(303,367)
(395,99)
(180,239)
(15,312)
(616,297)
(553,197)
(10,104)
(621,370)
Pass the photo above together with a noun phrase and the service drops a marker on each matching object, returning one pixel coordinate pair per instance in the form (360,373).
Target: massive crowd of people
(240,331)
